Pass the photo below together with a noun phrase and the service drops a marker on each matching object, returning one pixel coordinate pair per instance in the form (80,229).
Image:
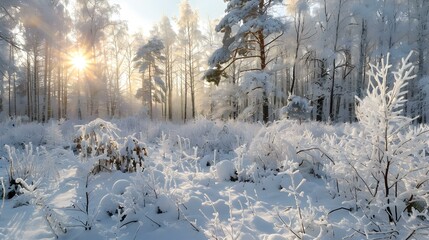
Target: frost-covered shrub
(221,225)
(117,204)
(203,142)
(225,171)
(381,166)
(28,169)
(297,108)
(224,100)
(146,193)
(207,135)
(140,126)
(14,121)
(303,220)
(257,85)
(54,136)
(275,145)
(211,136)
(93,138)
(131,154)
(99,142)
(21,134)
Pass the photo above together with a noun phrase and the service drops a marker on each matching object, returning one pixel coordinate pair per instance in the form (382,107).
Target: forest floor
(187,189)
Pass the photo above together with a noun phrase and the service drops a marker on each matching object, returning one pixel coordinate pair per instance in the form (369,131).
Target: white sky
(142,14)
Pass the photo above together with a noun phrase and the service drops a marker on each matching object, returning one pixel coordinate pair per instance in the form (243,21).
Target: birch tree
(190,37)
(168,36)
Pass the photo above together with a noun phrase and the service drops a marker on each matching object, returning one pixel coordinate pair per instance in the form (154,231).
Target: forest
(281,119)
(78,59)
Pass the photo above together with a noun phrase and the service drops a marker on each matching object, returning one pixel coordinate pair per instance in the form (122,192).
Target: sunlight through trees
(79,61)
(318,50)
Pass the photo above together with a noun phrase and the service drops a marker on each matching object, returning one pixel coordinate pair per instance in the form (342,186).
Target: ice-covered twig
(23,184)
(193,225)
(3,192)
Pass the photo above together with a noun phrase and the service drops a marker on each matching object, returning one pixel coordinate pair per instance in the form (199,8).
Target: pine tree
(146,59)
(258,30)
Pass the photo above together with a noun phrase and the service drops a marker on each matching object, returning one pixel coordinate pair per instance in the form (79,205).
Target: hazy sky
(144,13)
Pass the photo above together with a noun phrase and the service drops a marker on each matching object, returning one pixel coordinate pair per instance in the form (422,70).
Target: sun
(78,61)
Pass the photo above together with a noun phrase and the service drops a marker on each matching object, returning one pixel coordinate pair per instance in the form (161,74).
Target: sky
(142,14)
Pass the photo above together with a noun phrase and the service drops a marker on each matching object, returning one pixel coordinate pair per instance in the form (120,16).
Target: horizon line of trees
(256,56)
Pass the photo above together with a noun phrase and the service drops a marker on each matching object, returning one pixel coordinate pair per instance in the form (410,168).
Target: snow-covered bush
(202,143)
(257,86)
(275,145)
(382,166)
(146,194)
(28,169)
(99,142)
(54,136)
(297,108)
(95,137)
(219,227)
(224,101)
(116,204)
(225,171)
(21,134)
(302,222)
(131,153)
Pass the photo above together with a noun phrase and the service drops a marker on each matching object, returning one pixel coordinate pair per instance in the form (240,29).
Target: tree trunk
(65,95)
(150,94)
(49,112)
(298,26)
(263,64)
(45,83)
(29,107)
(191,71)
(14,95)
(186,91)
(9,76)
(79,107)
(421,43)
(362,59)
(170,88)
(331,95)
(59,92)
(337,29)
(36,86)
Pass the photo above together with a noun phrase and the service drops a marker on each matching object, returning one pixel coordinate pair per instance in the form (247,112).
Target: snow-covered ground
(201,180)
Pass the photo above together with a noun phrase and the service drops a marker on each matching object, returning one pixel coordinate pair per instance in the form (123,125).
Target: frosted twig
(159,225)
(186,218)
(3,192)
(315,148)
(287,226)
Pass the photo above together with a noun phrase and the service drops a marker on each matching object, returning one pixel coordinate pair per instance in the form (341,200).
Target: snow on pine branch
(297,108)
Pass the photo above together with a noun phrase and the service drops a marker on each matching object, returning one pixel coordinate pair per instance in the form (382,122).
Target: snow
(200,180)
(297,108)
(225,170)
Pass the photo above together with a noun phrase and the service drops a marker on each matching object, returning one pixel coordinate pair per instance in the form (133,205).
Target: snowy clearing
(201,180)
